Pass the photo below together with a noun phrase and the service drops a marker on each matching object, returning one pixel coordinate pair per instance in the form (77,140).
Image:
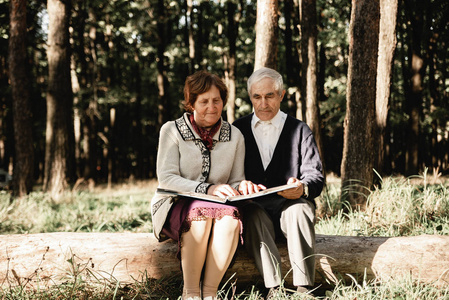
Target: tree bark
(91,113)
(291,71)
(54,258)
(191,40)
(266,34)
(163,103)
(309,70)
(358,149)
(59,99)
(414,84)
(387,46)
(20,86)
(233,27)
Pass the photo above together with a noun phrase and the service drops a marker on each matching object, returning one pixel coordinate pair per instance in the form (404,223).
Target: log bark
(45,259)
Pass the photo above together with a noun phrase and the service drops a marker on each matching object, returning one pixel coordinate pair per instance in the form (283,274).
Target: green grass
(399,207)
(123,208)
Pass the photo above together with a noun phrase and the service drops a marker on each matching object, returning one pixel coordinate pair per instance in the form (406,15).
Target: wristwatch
(306,191)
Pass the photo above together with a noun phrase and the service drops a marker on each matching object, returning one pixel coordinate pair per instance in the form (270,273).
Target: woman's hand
(222,190)
(293,193)
(246,187)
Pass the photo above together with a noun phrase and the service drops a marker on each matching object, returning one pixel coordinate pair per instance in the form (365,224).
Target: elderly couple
(200,152)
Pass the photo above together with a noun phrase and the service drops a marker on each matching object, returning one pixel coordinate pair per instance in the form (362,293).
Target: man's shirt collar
(278,120)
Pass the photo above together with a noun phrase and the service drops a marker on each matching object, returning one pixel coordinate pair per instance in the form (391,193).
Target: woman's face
(208,107)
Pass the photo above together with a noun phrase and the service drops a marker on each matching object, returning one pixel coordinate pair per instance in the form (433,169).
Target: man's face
(265,99)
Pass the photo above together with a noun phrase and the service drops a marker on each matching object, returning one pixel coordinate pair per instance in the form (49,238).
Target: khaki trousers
(272,217)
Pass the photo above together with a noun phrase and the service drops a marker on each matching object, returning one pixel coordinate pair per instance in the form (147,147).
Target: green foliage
(117,68)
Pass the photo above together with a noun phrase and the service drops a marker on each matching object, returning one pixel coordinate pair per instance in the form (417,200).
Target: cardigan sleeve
(168,161)
(311,169)
(238,165)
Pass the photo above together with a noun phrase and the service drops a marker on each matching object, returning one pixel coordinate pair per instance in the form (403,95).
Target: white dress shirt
(267,135)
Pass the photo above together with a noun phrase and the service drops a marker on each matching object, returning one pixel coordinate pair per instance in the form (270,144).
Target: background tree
(358,151)
(163,104)
(309,70)
(20,86)
(387,45)
(266,34)
(116,72)
(292,61)
(414,77)
(59,99)
(234,12)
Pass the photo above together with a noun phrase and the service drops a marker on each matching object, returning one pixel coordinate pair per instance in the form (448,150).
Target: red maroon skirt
(185,210)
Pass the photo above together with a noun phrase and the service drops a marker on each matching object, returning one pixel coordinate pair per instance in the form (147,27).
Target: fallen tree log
(45,259)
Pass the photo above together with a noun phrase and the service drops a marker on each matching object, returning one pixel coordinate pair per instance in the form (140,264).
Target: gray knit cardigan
(185,164)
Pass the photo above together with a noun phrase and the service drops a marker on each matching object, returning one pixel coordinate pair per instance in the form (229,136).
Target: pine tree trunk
(163,110)
(191,40)
(266,34)
(309,70)
(233,26)
(59,99)
(414,95)
(387,46)
(20,86)
(358,149)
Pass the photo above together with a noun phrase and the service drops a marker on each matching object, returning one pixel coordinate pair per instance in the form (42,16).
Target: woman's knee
(200,229)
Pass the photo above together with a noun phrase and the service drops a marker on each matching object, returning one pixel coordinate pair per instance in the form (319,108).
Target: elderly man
(280,150)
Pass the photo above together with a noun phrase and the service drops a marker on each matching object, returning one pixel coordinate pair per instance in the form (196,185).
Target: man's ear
(283,94)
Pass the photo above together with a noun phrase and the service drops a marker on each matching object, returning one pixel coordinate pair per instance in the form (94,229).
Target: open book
(228,198)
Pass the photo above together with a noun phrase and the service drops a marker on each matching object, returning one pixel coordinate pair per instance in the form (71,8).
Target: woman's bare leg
(193,255)
(222,245)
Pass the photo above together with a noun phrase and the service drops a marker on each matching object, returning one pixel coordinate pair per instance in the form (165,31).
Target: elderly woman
(202,153)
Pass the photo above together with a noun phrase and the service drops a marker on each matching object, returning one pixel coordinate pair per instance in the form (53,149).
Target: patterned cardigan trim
(187,135)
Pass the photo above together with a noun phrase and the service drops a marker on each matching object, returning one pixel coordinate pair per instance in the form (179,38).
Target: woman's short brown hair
(199,83)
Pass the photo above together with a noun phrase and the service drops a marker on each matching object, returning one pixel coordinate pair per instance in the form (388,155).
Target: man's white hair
(264,72)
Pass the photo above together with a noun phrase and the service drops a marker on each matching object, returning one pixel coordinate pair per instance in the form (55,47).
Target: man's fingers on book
(261,187)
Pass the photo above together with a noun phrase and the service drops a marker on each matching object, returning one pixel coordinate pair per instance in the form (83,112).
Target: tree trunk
(59,99)
(191,44)
(91,114)
(137,124)
(53,258)
(163,110)
(20,86)
(266,34)
(233,26)
(79,83)
(387,46)
(358,149)
(309,70)
(414,95)
(291,71)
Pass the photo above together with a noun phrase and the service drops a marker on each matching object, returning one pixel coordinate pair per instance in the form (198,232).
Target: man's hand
(222,190)
(293,193)
(246,187)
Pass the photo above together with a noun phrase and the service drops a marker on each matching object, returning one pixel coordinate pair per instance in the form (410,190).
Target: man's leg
(297,224)
(259,241)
